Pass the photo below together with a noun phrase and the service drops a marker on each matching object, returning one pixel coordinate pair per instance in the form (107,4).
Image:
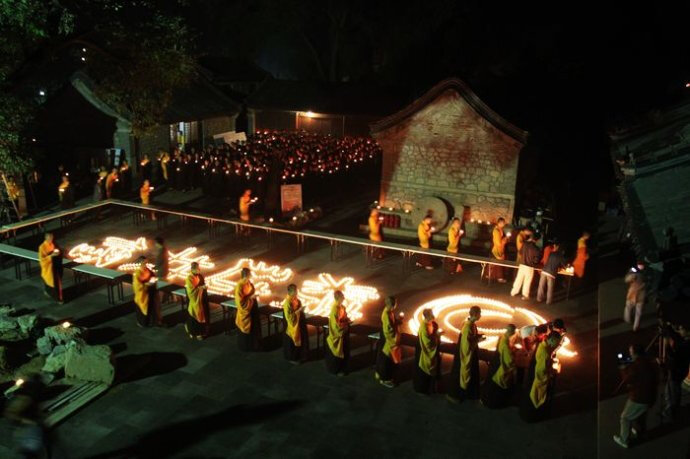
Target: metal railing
(335,241)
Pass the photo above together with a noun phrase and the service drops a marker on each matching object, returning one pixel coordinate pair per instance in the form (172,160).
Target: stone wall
(448,150)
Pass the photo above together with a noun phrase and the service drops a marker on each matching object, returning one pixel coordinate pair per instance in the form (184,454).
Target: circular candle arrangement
(451,312)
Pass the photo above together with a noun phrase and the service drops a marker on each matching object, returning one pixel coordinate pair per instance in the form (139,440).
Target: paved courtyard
(180,398)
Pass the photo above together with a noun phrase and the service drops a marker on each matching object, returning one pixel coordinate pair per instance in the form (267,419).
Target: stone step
(68,402)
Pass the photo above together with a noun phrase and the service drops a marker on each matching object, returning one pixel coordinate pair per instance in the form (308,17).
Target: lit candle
(66,325)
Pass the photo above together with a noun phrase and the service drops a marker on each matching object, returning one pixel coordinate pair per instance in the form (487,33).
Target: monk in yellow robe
(143,285)
(427,354)
(389,353)
(424,234)
(295,338)
(198,318)
(164,160)
(338,350)
(65,194)
(454,234)
(51,268)
(244,204)
(464,382)
(375,221)
(498,387)
(498,249)
(581,256)
(144,192)
(247,316)
(537,400)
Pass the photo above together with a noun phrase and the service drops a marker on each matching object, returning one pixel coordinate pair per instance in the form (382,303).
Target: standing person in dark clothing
(161,261)
(547,278)
(24,412)
(531,256)
(125,179)
(641,377)
(146,168)
(678,354)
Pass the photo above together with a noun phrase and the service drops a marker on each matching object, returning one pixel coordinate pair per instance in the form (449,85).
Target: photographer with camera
(677,338)
(640,374)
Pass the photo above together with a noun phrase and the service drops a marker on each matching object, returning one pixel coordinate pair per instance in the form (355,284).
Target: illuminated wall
(448,144)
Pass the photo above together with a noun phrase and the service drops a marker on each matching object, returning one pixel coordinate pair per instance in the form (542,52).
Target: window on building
(184,133)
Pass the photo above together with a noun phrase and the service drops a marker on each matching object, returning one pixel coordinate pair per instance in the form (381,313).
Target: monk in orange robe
(581,256)
(51,268)
(498,249)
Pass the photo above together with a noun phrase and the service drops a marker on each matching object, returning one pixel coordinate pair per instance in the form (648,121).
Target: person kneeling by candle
(338,350)
(247,317)
(498,388)
(427,355)
(198,310)
(389,353)
(296,338)
(464,383)
(144,286)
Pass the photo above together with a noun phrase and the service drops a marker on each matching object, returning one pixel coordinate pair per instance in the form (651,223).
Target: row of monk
(528,356)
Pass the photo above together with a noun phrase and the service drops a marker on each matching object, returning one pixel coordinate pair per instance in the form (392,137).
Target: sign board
(290,197)
(230,137)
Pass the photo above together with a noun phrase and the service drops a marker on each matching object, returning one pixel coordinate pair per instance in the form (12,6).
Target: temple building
(449,153)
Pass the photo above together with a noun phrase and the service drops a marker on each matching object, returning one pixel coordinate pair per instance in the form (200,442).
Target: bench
(82,274)
(311,319)
(21,257)
(69,401)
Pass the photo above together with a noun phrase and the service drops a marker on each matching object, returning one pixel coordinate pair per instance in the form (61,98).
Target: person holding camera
(677,365)
(640,374)
(634,300)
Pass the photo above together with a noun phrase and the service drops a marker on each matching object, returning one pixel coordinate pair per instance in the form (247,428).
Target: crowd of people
(264,161)
(549,261)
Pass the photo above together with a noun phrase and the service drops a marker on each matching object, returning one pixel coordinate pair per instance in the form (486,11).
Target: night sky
(565,75)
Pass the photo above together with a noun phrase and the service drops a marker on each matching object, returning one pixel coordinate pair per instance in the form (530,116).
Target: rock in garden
(44,345)
(8,323)
(56,360)
(90,363)
(27,323)
(61,335)
(6,310)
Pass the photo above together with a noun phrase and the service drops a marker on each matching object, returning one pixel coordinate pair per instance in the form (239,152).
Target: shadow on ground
(173,438)
(134,367)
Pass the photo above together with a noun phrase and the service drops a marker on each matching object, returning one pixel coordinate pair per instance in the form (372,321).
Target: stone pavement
(182,398)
